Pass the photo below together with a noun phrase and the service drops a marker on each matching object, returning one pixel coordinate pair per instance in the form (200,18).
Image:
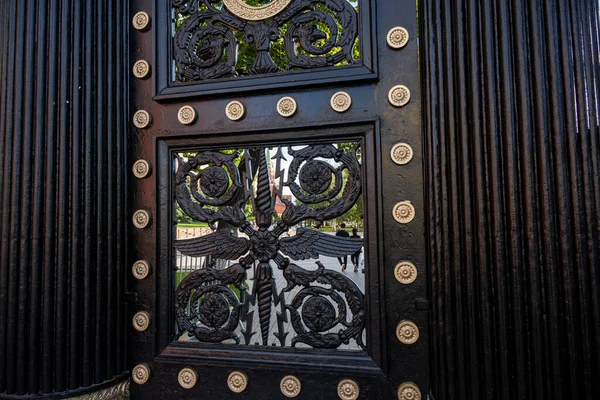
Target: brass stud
(187,378)
(397,37)
(235,110)
(141,219)
(409,391)
(141,373)
(142,119)
(341,102)
(407,332)
(348,389)
(402,153)
(290,386)
(237,381)
(186,115)
(405,272)
(399,96)
(141,21)
(286,107)
(404,212)
(141,169)
(141,321)
(140,269)
(141,69)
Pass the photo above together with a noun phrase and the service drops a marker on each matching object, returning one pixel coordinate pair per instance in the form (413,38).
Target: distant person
(343,233)
(356,256)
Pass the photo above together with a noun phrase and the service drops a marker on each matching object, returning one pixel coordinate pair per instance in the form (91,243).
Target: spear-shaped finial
(278,157)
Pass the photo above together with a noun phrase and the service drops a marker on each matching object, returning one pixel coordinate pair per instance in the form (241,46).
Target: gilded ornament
(237,381)
(397,37)
(141,219)
(405,272)
(409,391)
(348,390)
(142,119)
(235,110)
(141,169)
(407,332)
(404,212)
(286,106)
(402,153)
(141,21)
(141,69)
(255,13)
(341,101)
(186,115)
(187,378)
(290,386)
(141,373)
(140,269)
(116,392)
(141,321)
(399,96)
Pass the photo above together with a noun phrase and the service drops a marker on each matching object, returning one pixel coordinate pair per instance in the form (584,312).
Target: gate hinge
(422,304)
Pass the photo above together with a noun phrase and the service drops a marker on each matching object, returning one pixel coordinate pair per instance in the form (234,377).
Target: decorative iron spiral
(265,294)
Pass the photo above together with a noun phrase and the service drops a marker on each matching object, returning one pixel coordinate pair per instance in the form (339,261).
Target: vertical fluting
(511,114)
(62,194)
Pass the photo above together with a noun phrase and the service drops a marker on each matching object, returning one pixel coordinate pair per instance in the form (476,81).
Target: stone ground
(188,264)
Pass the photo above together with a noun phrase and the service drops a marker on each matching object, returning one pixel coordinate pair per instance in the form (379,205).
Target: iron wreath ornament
(316,33)
(211,187)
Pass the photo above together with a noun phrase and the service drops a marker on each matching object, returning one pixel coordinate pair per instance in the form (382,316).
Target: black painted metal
(513,170)
(385,362)
(62,195)
(206,306)
(168,88)
(513,188)
(205,46)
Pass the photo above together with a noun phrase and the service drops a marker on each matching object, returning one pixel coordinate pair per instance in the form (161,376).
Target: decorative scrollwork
(198,187)
(215,307)
(208,187)
(318,314)
(304,30)
(316,33)
(199,49)
(316,178)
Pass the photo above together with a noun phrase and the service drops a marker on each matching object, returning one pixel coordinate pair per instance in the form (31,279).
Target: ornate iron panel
(323,182)
(262,43)
(315,34)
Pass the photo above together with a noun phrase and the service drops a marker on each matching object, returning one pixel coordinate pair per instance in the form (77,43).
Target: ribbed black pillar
(62,194)
(511,96)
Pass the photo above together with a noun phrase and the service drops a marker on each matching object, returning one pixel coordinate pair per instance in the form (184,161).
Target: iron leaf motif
(208,188)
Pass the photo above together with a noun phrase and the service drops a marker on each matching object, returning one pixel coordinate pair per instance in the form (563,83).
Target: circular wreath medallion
(213,310)
(214,181)
(315,177)
(252,13)
(318,314)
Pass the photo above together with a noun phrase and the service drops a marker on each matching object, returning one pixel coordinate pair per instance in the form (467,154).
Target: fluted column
(512,93)
(62,195)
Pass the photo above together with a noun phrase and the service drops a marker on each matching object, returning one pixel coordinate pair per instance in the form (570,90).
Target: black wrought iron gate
(277,200)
